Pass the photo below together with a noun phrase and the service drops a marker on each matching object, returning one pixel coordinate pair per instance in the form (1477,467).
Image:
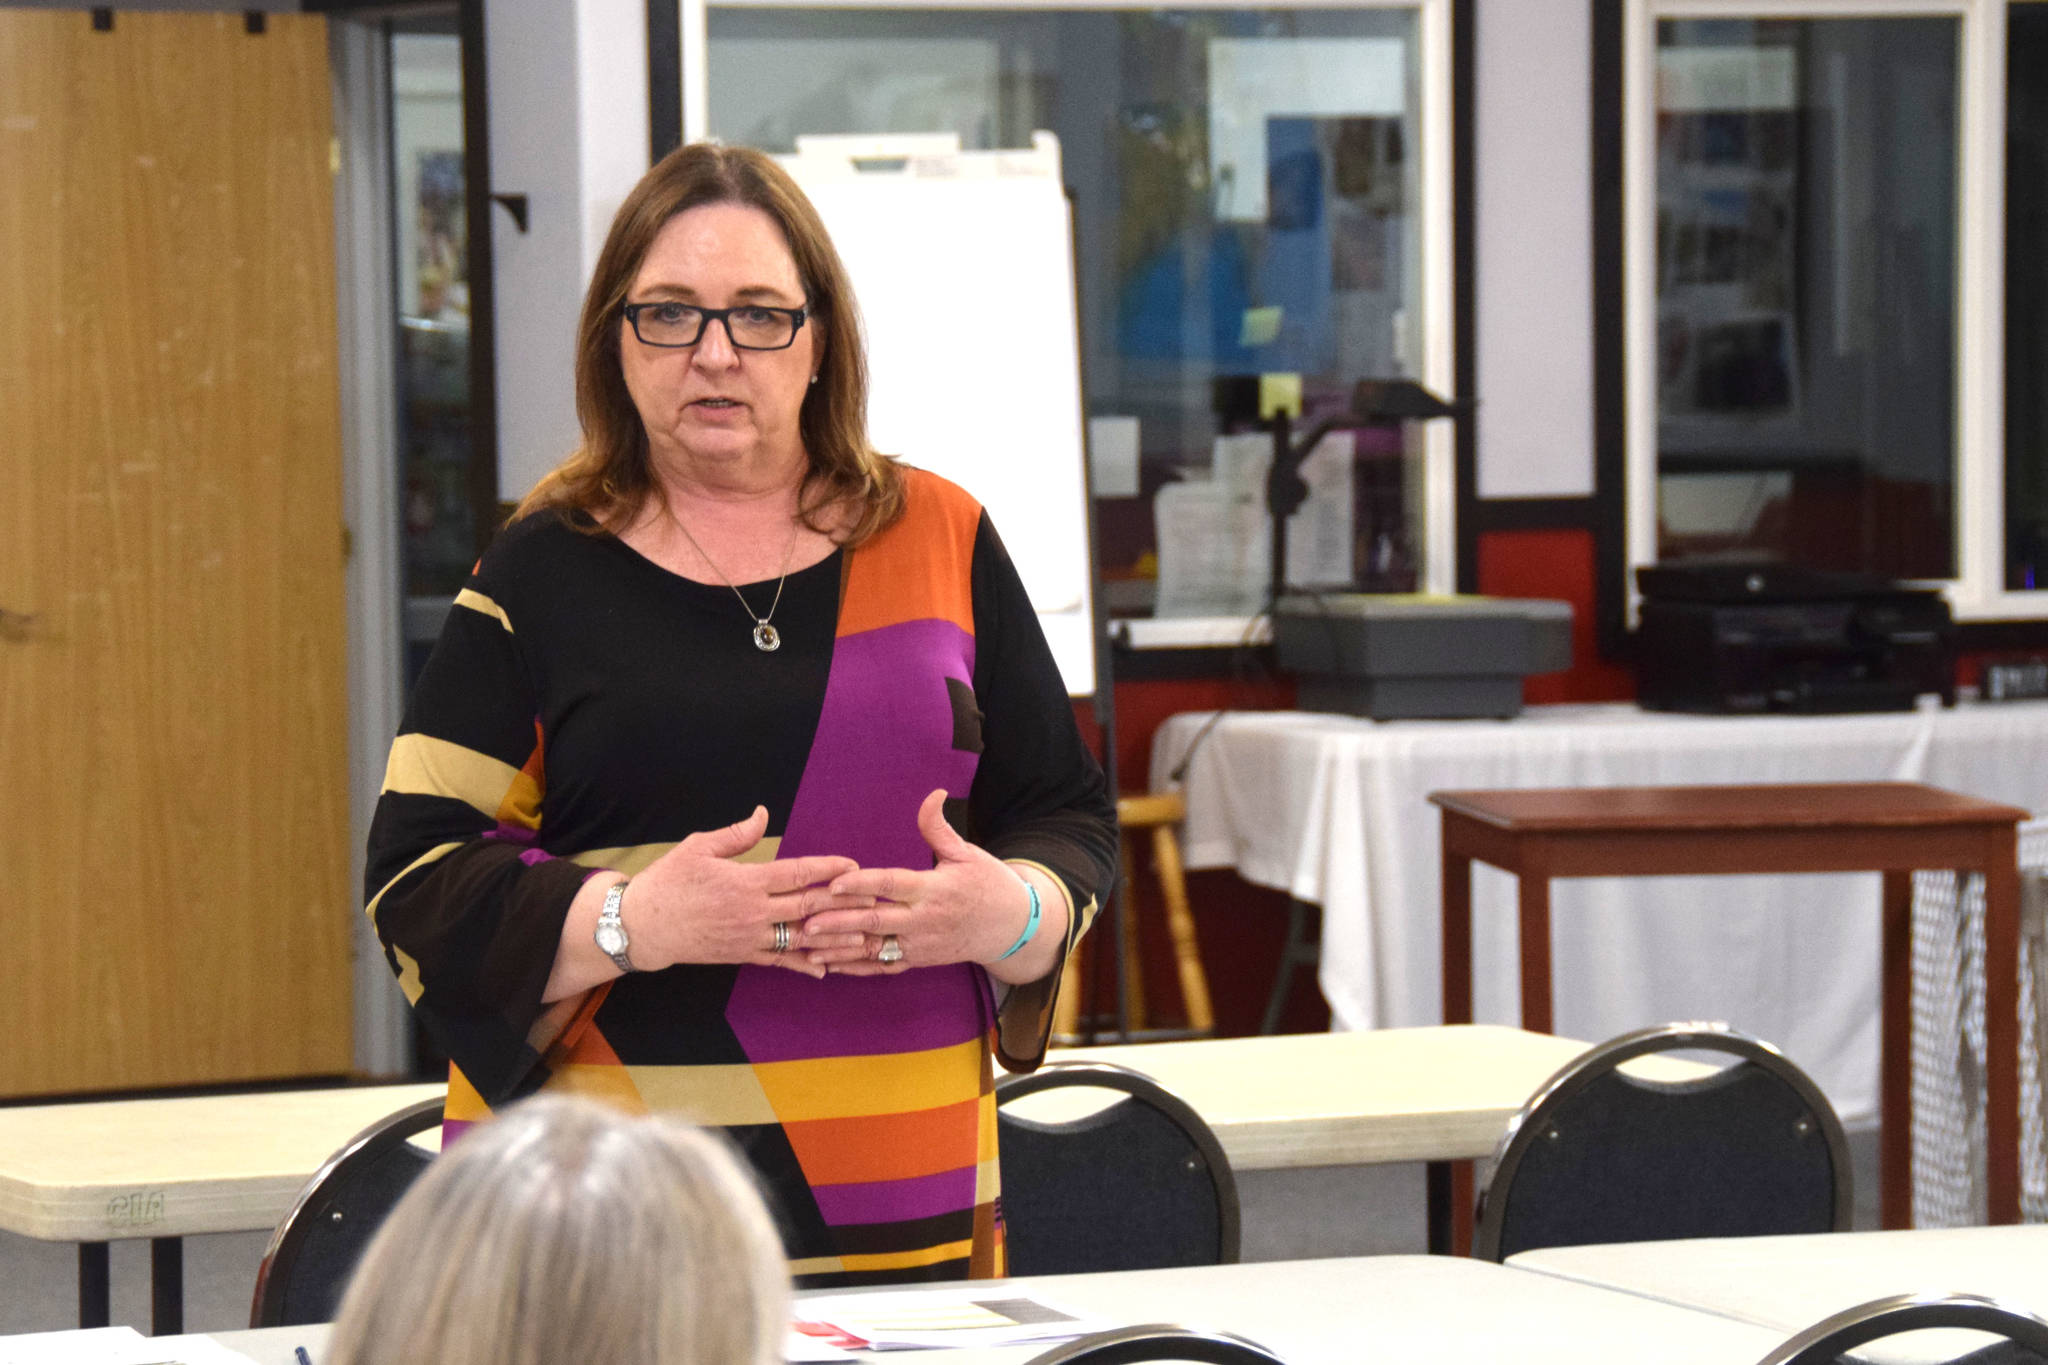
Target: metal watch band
(611,930)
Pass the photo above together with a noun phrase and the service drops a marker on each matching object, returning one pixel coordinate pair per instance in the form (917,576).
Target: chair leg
(1134,959)
(1180,922)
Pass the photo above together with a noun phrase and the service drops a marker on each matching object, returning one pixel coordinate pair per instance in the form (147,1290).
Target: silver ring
(892,951)
(782,936)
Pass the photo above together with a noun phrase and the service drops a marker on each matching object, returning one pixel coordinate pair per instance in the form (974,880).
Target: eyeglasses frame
(798,316)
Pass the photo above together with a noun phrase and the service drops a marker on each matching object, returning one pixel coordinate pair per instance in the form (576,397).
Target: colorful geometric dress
(585,708)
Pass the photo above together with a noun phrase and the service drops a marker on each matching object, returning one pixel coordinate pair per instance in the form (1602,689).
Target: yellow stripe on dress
(464,1103)
(409,983)
(817,1265)
(606,1082)
(898,1260)
(714,1096)
(829,1088)
(476,601)
(985,1152)
(421,765)
(632,859)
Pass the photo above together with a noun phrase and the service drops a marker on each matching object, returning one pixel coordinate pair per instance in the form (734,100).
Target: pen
(303,1358)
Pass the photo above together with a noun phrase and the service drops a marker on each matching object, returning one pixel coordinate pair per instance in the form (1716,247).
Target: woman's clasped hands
(824,913)
(695,903)
(969,907)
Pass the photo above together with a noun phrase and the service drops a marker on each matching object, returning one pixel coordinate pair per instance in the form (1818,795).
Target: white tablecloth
(1332,809)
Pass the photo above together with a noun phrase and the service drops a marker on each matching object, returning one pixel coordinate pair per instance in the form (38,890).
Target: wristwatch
(611,934)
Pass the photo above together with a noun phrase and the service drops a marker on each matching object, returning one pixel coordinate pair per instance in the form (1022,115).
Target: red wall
(1556,564)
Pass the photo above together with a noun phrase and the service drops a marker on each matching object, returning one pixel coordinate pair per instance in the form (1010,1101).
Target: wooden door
(174,906)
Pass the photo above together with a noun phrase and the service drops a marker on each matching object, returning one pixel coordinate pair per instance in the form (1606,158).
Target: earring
(814,379)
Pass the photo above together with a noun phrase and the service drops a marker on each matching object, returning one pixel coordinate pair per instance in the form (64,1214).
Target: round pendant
(765,638)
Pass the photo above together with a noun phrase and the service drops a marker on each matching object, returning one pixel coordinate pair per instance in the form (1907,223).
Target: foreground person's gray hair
(565,1231)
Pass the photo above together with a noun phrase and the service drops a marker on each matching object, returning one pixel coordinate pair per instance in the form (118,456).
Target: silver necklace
(766,638)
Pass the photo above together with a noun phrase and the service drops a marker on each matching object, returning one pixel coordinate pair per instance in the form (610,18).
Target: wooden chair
(1159,812)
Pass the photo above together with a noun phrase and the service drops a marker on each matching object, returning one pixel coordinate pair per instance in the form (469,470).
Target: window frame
(1438,368)
(1977,592)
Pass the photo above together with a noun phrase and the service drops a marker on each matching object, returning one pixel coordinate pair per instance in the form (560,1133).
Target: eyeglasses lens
(760,329)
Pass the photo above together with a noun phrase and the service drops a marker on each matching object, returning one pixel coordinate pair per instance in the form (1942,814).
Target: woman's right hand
(696,904)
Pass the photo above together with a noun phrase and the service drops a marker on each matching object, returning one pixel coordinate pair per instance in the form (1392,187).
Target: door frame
(359,63)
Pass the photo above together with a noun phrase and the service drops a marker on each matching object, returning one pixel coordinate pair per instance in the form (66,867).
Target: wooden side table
(1888,827)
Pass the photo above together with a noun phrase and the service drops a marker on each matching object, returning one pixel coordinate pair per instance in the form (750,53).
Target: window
(1256,190)
(1816,218)
(447,500)
(2026,299)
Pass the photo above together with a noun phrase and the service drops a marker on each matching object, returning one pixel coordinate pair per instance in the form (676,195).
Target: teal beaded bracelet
(1030,925)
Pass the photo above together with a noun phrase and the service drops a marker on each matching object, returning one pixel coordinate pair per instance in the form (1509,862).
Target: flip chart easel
(963,265)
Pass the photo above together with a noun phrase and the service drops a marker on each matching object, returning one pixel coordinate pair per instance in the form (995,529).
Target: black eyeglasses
(750,326)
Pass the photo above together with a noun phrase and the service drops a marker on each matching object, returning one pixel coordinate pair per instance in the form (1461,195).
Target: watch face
(611,937)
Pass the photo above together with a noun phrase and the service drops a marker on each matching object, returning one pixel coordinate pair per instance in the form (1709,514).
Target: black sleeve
(468,908)
(1039,795)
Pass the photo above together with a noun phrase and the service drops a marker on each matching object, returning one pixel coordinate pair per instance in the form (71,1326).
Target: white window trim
(1978,590)
(1438,365)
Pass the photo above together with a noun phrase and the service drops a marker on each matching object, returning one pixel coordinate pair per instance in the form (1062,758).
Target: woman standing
(741,782)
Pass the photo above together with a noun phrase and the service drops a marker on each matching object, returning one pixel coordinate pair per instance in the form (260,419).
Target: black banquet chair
(1599,1155)
(316,1247)
(1832,1338)
(1157,1342)
(1137,1185)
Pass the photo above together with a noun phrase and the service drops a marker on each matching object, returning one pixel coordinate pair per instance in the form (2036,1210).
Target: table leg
(1436,1187)
(1895,1054)
(2001,1032)
(1457,935)
(166,1286)
(1533,898)
(94,1310)
(1461,1208)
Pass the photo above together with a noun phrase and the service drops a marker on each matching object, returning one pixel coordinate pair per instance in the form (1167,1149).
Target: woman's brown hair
(609,476)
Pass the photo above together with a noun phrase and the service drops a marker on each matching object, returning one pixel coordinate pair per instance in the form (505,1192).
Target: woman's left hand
(968,908)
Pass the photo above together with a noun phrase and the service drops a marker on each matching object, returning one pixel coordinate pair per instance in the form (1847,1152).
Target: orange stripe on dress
(579,1041)
(884,1146)
(911,572)
(521,806)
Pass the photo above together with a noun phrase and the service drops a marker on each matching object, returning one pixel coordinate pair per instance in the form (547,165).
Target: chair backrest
(1137,1185)
(1598,1155)
(316,1247)
(1157,1342)
(1833,1337)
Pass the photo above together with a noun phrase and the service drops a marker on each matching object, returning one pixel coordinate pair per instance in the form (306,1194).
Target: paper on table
(195,1349)
(89,1346)
(922,1318)
(802,1348)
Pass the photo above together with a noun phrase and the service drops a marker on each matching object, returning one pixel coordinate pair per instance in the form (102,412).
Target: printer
(1754,637)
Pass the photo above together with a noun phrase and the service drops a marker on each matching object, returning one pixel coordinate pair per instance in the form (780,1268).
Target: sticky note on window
(1259,326)
(1279,393)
